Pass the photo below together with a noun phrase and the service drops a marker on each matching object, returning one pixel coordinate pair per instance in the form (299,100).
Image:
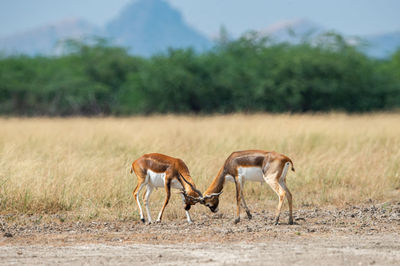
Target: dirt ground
(352,235)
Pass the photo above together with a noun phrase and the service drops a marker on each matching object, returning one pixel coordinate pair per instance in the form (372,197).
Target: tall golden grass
(80,166)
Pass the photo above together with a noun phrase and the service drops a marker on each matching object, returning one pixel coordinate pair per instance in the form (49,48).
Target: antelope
(156,170)
(252,165)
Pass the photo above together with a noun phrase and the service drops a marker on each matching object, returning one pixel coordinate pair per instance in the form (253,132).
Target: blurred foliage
(248,74)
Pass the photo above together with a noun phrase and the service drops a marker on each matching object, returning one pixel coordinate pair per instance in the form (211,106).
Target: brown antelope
(157,170)
(251,165)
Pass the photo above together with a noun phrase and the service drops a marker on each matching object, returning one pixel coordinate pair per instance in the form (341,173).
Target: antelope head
(212,201)
(192,200)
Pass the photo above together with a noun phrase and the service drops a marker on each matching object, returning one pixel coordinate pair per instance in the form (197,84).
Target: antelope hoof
(290,221)
(237,220)
(149,222)
(249,215)
(142,219)
(158,221)
(276,220)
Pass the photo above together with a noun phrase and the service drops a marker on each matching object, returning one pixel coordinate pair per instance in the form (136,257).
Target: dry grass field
(78,168)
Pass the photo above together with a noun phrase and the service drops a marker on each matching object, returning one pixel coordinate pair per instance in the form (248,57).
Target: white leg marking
(159,216)
(283,175)
(187,212)
(148,193)
(138,202)
(188,217)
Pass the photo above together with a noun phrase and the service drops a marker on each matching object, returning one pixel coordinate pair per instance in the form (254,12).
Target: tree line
(250,74)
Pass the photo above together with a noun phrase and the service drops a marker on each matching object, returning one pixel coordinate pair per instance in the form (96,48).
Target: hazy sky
(355,17)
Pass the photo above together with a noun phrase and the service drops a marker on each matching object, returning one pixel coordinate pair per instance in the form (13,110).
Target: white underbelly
(158,180)
(248,174)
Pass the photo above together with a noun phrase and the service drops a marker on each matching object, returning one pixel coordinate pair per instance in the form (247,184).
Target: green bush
(246,75)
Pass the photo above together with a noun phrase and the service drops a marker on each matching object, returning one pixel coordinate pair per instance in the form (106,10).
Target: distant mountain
(43,40)
(294,31)
(150,26)
(144,27)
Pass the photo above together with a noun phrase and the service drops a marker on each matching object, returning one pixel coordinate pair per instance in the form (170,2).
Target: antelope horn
(195,189)
(212,195)
(198,199)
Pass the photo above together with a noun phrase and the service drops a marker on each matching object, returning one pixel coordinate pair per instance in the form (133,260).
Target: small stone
(7,234)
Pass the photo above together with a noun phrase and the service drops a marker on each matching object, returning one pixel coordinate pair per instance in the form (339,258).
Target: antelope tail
(290,161)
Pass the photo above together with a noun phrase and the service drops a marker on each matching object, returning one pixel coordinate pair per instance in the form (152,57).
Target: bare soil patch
(353,235)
